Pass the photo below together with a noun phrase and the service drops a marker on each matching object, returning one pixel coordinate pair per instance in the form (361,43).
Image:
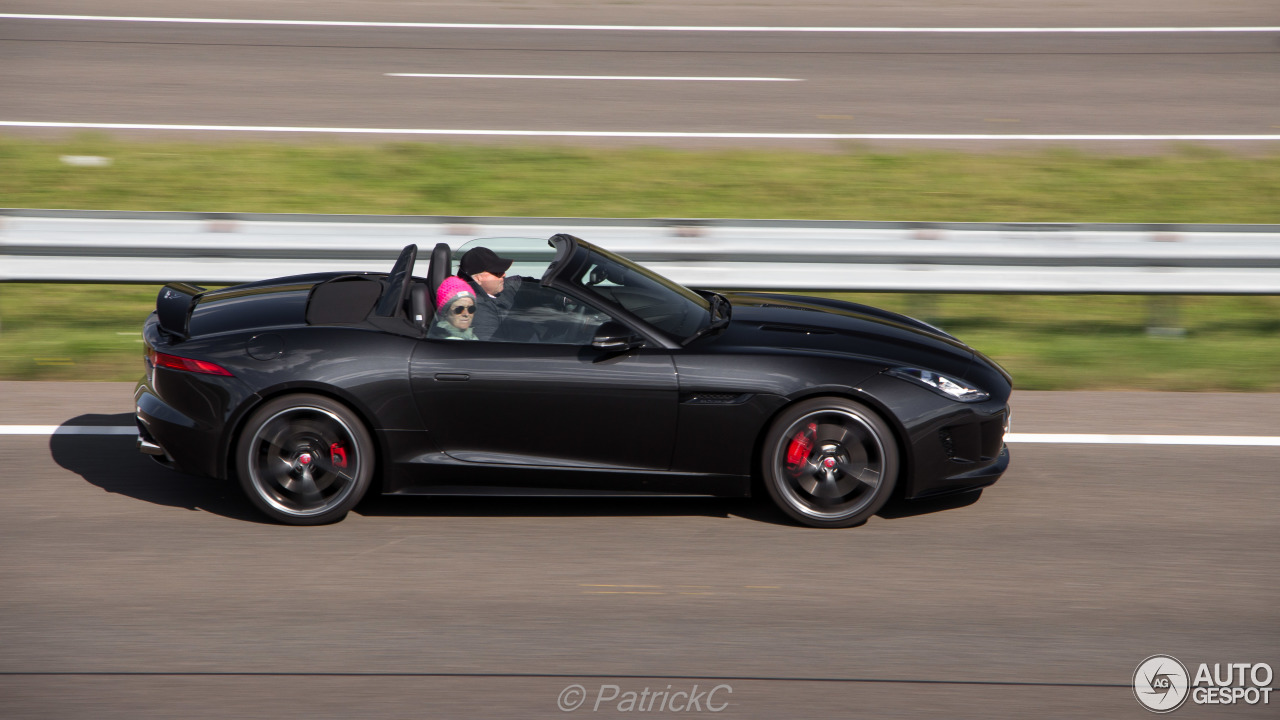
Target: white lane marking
(641,28)
(646,134)
(1043,438)
(1092,439)
(469,76)
(67,430)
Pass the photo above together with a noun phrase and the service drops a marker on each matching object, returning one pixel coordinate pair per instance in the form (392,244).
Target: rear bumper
(148,446)
(172,438)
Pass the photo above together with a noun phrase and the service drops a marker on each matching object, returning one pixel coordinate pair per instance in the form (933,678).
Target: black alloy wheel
(830,462)
(304,459)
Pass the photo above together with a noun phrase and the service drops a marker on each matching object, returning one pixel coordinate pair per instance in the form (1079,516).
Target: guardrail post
(1163,316)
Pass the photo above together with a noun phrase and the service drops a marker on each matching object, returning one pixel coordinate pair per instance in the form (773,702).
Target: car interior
(343,300)
(350,299)
(422,294)
(540,314)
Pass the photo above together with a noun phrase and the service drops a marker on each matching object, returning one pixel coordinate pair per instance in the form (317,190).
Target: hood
(832,326)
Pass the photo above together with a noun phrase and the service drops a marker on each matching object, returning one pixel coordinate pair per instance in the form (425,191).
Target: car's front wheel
(830,462)
(304,459)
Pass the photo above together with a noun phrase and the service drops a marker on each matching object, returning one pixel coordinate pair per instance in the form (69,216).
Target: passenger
(495,292)
(455,310)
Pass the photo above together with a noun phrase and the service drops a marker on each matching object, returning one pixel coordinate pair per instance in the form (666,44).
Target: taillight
(173,362)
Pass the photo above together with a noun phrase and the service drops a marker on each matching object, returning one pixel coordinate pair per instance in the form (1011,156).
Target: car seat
(422,298)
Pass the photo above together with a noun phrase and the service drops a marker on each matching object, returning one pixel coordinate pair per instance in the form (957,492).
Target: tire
(304,459)
(829,462)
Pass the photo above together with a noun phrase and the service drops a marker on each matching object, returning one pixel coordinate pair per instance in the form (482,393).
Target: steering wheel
(580,318)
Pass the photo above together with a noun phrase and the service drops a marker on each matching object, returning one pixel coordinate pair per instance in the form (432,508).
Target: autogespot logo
(1161,683)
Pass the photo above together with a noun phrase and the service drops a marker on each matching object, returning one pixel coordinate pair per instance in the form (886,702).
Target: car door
(549,404)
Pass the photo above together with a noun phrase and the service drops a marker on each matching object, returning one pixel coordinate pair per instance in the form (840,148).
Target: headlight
(948,386)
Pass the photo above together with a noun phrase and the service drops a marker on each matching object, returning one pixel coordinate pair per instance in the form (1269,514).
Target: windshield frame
(574,254)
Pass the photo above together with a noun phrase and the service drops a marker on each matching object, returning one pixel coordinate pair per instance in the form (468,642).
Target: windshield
(674,309)
(530,256)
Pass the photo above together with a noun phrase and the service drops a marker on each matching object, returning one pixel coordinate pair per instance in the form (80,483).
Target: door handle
(452,377)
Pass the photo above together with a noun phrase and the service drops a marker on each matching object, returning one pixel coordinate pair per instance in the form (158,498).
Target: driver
(495,292)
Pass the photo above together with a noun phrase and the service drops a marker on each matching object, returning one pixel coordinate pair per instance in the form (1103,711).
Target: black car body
(313,389)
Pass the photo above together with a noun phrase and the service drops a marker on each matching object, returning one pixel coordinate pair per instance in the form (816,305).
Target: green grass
(1193,185)
(72,332)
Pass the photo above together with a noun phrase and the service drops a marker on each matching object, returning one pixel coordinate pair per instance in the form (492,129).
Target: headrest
(441,268)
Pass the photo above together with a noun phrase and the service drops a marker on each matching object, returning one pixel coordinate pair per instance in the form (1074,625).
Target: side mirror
(615,337)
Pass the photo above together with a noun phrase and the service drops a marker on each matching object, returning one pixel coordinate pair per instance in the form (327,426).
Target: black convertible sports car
(605,378)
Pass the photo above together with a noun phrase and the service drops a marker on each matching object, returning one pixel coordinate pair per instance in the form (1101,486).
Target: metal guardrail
(216,248)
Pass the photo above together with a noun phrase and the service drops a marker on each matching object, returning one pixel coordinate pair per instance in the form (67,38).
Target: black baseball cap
(482,259)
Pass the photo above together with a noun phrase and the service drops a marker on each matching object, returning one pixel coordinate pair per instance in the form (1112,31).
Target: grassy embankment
(89,332)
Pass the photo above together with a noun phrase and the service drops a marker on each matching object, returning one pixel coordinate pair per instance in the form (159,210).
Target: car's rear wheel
(830,462)
(304,459)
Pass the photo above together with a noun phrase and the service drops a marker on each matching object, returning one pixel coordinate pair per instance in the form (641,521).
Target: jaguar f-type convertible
(603,378)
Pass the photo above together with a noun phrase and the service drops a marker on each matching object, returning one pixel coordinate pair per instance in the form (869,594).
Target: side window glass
(546,316)
(659,302)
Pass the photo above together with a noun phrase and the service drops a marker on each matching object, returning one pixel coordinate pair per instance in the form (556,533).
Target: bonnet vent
(796,329)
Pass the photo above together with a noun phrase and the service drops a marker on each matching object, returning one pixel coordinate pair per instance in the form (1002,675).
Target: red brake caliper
(338,456)
(801,444)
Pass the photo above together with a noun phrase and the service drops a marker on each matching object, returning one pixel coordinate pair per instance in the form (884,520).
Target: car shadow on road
(544,506)
(899,508)
(758,509)
(113,463)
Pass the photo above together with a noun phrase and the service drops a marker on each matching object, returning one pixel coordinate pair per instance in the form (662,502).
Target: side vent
(973,443)
(714,398)
(948,444)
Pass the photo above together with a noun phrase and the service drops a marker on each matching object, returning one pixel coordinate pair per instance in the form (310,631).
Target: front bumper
(960,451)
(971,480)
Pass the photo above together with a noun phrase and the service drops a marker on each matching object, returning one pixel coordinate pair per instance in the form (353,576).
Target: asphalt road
(129,591)
(306,76)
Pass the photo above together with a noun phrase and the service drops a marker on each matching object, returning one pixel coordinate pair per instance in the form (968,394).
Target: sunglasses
(468,309)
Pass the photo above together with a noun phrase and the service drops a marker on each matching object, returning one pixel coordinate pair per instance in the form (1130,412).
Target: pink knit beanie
(451,289)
